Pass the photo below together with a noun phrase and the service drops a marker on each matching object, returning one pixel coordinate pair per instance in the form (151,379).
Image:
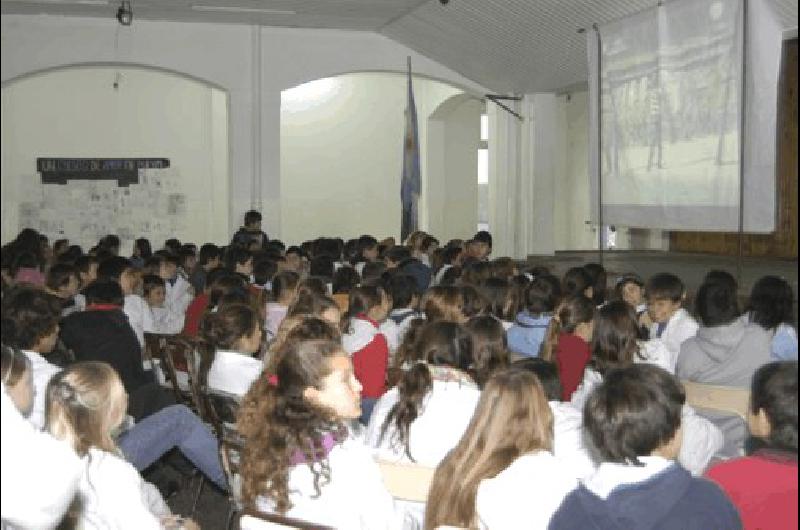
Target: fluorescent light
(235,9)
(63,2)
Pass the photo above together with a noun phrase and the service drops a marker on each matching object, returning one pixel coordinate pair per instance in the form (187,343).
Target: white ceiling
(518,46)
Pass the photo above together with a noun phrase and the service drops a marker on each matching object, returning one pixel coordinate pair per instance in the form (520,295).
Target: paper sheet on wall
(85,211)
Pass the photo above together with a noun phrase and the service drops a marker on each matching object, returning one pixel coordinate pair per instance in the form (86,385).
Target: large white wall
(77,113)
(254,65)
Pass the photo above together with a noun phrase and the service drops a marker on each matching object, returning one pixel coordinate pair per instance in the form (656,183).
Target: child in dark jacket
(634,421)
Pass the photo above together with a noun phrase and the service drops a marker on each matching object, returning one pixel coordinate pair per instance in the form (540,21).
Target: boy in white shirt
(666,319)
(164,320)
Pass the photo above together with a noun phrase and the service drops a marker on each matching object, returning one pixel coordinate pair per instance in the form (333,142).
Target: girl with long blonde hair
(86,405)
(502,473)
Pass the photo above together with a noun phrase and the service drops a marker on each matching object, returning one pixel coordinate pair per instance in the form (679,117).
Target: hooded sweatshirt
(725,355)
(660,495)
(525,337)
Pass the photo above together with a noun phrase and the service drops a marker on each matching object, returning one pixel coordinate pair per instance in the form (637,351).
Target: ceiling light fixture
(124,13)
(236,9)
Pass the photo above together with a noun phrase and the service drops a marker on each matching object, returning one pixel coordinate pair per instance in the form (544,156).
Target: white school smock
(178,296)
(355,498)
(525,495)
(569,444)
(233,372)
(42,371)
(166,321)
(113,495)
(445,413)
(681,326)
(655,352)
(140,317)
(38,474)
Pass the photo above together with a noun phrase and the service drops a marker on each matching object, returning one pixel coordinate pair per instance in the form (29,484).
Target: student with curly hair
(299,458)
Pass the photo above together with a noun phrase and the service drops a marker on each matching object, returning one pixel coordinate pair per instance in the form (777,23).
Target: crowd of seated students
(541,401)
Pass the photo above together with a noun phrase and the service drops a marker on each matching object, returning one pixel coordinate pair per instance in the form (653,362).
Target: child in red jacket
(763,486)
(368,306)
(567,341)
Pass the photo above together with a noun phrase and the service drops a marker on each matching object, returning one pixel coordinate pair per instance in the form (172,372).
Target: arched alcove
(453,143)
(117,111)
(341,153)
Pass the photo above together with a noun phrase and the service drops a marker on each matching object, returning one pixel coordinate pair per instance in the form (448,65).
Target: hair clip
(66,391)
(272,380)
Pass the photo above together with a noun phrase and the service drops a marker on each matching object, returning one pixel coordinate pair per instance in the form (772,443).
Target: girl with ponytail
(421,419)
(229,339)
(284,287)
(362,338)
(299,458)
(567,341)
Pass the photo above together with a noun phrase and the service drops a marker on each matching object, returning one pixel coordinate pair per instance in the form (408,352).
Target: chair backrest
(405,481)
(171,351)
(255,520)
(230,450)
(219,409)
(732,400)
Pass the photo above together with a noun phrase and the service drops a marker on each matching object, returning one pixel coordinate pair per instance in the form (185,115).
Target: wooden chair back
(217,408)
(230,450)
(731,400)
(172,352)
(407,481)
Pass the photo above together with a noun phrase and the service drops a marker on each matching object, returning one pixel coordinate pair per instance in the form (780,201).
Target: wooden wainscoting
(783,242)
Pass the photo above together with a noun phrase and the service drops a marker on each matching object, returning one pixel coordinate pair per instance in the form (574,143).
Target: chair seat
(405,481)
(731,400)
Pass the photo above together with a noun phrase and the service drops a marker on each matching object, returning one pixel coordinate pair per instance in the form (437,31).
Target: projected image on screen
(670,83)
